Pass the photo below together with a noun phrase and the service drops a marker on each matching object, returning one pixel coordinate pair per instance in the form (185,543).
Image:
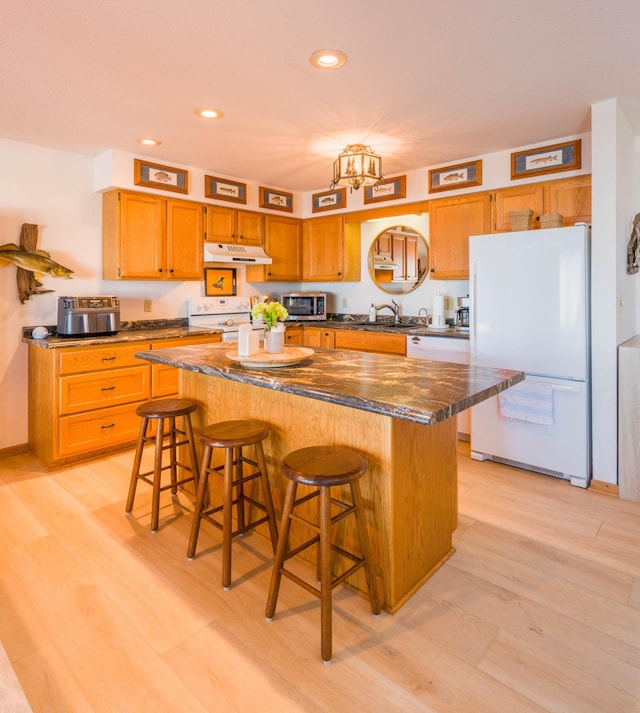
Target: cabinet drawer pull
(108,388)
(111,358)
(111,425)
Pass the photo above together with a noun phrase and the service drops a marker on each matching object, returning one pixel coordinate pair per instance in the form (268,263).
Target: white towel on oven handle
(528,401)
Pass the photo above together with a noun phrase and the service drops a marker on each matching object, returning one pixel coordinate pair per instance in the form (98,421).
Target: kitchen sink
(393,325)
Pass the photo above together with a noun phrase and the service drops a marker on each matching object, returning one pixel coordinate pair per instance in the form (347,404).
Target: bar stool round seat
(322,468)
(234,437)
(172,439)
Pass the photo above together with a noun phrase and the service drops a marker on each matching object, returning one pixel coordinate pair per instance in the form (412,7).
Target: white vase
(274,340)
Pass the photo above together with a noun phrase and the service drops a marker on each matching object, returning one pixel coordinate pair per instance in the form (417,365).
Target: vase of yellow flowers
(272,314)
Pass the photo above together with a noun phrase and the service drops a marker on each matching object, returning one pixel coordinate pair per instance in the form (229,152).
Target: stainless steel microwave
(305,305)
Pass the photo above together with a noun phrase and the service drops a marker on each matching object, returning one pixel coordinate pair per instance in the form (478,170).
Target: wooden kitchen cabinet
(404,253)
(147,237)
(451,222)
(283,244)
(294,335)
(165,380)
(384,245)
(571,197)
(330,250)
(82,400)
(229,225)
(328,338)
(371,341)
(529,196)
(319,337)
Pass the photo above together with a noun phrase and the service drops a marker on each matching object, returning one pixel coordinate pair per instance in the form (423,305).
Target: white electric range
(225,313)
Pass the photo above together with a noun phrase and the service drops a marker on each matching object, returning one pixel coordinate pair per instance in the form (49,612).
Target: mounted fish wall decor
(31,263)
(633,247)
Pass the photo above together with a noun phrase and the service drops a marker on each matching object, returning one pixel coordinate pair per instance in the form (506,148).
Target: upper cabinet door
(283,244)
(184,240)
(526,197)
(249,228)
(451,222)
(323,249)
(284,247)
(571,197)
(140,236)
(221,224)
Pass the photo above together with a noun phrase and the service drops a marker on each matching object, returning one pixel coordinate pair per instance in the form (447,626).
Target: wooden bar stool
(323,467)
(161,410)
(233,436)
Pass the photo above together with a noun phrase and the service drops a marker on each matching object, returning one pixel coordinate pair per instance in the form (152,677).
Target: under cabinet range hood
(381,262)
(238,254)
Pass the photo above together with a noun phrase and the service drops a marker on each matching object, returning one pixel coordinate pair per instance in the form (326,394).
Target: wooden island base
(409,490)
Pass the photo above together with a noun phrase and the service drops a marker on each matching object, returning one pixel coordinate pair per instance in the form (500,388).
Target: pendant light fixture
(357,166)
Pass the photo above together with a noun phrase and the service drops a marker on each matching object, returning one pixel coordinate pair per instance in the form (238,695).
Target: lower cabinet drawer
(98,429)
(81,360)
(84,392)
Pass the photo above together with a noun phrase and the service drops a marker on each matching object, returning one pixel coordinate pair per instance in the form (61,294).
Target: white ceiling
(428,82)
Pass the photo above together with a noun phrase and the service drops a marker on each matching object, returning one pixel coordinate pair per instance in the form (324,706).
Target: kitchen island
(397,412)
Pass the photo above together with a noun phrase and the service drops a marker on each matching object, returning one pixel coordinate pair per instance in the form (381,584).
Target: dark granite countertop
(411,326)
(176,328)
(129,332)
(421,391)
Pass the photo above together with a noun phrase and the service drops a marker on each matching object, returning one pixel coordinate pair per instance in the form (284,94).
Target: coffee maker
(462,313)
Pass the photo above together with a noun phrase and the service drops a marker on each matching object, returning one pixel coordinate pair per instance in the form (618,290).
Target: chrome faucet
(426,314)
(394,307)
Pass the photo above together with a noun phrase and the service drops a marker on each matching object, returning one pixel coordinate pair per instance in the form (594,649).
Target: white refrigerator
(529,311)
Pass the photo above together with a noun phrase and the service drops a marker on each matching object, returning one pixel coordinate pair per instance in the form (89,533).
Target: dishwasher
(456,350)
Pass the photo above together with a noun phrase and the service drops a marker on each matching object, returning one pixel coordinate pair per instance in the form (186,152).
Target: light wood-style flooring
(538,609)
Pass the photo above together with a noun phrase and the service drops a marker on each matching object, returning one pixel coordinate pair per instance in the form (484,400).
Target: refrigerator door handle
(571,389)
(556,387)
(472,311)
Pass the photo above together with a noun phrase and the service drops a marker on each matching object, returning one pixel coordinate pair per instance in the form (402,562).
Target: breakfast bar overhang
(397,412)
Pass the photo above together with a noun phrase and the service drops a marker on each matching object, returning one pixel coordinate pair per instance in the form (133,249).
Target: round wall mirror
(399,260)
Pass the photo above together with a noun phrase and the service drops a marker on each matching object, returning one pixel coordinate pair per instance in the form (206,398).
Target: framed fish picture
(224,189)
(278,200)
(547,159)
(329,200)
(219,281)
(460,175)
(387,189)
(155,175)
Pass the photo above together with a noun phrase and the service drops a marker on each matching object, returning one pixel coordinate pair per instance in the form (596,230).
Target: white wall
(613,292)
(55,190)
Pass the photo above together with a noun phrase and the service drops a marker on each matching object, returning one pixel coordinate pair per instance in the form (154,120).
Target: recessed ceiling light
(209,113)
(149,142)
(328,59)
